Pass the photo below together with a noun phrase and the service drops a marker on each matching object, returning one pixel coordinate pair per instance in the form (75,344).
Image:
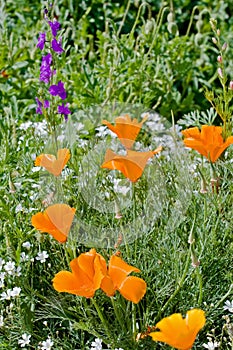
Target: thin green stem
(199,278)
(103,320)
(117,313)
(180,285)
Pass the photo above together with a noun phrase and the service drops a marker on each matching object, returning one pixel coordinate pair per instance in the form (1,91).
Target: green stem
(199,278)
(104,321)
(180,285)
(118,315)
(134,329)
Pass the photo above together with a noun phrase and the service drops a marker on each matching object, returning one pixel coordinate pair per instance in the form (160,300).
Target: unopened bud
(231,85)
(224,46)
(220,73)
(214,40)
(219,59)
(218,32)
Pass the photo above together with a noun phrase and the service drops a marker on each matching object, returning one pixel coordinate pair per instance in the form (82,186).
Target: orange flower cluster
(90,272)
(133,163)
(178,332)
(208,142)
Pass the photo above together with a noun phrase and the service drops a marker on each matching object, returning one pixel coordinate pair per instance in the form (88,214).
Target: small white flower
(47,344)
(9,267)
(1,321)
(26,245)
(18,208)
(24,257)
(97,344)
(228,306)
(25,340)
(15,292)
(211,345)
(6,295)
(42,256)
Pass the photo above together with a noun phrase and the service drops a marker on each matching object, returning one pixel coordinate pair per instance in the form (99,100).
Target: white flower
(10,267)
(1,321)
(15,292)
(26,245)
(97,344)
(18,208)
(42,256)
(24,256)
(6,295)
(228,306)
(25,340)
(47,344)
(211,345)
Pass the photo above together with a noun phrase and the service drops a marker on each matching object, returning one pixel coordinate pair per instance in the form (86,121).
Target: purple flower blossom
(58,90)
(63,109)
(55,26)
(56,46)
(40,105)
(45,69)
(46,104)
(41,41)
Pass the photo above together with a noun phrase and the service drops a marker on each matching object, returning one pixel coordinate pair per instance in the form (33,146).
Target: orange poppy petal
(195,320)
(65,281)
(61,215)
(126,129)
(51,163)
(119,270)
(133,289)
(56,220)
(132,165)
(107,286)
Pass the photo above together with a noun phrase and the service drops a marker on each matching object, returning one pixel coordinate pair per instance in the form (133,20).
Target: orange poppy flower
(132,165)
(180,332)
(126,129)
(208,142)
(51,163)
(56,220)
(131,288)
(88,270)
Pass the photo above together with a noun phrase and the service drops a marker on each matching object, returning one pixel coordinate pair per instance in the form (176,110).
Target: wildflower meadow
(116,175)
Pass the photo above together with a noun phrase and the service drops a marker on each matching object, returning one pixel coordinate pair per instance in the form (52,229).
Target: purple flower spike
(55,26)
(39,106)
(41,41)
(63,109)
(58,90)
(56,46)
(45,69)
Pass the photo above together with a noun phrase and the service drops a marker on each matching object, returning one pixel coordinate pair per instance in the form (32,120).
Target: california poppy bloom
(126,129)
(208,142)
(51,163)
(131,288)
(88,270)
(131,165)
(180,332)
(55,220)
